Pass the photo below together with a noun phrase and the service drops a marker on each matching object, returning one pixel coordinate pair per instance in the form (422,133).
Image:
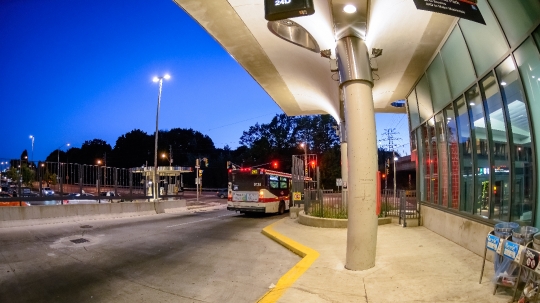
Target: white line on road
(202,220)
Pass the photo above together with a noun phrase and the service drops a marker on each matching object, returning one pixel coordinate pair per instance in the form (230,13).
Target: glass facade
(478,110)
(465,155)
(516,20)
(520,135)
(486,43)
(458,63)
(442,148)
(453,156)
(438,84)
(425,107)
(499,164)
(412,108)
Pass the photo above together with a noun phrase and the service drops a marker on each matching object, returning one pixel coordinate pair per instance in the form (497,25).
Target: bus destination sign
(284,9)
(465,9)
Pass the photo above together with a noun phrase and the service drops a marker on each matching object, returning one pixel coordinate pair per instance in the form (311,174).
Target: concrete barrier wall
(466,233)
(330,223)
(12,216)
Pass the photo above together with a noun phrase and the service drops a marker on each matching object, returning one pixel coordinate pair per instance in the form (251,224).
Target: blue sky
(72,71)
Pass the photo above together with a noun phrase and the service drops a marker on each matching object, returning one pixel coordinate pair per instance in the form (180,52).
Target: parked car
(84,198)
(25,192)
(47,191)
(5,194)
(222,193)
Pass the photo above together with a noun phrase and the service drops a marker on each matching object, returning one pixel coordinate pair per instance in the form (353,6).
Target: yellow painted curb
(308,257)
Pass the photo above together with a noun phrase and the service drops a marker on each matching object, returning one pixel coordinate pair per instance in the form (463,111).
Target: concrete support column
(344,164)
(362,186)
(356,82)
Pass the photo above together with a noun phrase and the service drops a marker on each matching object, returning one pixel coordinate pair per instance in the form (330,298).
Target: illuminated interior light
(471,104)
(349,8)
(503,83)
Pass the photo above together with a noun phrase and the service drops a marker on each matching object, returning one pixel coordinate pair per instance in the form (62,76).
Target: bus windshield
(247,180)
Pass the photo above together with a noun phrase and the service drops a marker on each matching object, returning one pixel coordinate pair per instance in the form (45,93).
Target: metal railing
(334,205)
(325,205)
(402,205)
(96,181)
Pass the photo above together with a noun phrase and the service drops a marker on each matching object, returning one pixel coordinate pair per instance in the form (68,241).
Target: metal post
(81,172)
(40,178)
(155,194)
(97,183)
(61,182)
(115,176)
(394,155)
(198,181)
(130,183)
(58,168)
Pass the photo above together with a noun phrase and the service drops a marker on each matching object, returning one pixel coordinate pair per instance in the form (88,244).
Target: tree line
(273,142)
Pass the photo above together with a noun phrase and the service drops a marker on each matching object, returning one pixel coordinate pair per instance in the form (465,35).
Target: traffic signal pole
(197,166)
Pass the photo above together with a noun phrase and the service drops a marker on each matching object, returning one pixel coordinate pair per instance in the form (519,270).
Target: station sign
(284,9)
(465,9)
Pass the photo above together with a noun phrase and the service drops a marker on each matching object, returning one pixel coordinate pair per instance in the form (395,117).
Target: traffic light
(383,176)
(274,164)
(200,172)
(206,161)
(313,163)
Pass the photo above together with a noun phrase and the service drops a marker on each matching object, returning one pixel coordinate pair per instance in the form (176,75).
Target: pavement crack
(365,290)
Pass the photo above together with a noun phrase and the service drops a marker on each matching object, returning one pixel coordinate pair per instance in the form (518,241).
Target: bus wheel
(281,208)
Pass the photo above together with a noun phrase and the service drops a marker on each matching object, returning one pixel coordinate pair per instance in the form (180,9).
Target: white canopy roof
(299,80)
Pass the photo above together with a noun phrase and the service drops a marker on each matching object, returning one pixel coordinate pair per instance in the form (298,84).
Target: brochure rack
(525,258)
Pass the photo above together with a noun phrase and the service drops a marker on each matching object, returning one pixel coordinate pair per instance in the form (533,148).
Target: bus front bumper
(247,209)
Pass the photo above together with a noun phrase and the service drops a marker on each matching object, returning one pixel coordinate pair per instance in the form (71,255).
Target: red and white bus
(258,190)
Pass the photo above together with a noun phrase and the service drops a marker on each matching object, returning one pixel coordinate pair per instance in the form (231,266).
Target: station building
(474,117)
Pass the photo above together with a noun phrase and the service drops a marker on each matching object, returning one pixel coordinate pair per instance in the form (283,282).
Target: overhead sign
(465,9)
(284,9)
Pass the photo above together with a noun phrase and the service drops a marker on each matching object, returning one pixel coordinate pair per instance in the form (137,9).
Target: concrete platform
(413,265)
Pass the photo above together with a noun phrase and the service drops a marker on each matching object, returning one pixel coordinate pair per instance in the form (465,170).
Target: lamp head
(155,79)
(167,76)
(349,8)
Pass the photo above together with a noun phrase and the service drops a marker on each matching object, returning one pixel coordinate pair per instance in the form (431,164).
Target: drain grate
(86,226)
(79,241)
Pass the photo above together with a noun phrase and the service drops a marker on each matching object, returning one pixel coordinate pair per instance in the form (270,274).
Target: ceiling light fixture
(503,83)
(349,9)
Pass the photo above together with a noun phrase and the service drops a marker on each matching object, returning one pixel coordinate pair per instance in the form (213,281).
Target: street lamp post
(32,159)
(155,183)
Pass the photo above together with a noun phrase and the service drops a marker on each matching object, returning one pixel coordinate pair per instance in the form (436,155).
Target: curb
(308,255)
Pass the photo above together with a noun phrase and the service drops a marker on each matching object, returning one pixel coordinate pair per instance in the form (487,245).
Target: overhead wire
(241,121)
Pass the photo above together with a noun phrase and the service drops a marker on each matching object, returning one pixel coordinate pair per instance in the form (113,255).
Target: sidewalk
(413,265)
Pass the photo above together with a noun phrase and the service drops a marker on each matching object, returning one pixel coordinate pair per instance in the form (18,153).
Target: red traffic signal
(383,176)
(275,164)
(313,164)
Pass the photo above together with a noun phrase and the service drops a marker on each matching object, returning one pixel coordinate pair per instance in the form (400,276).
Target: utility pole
(170,155)
(389,137)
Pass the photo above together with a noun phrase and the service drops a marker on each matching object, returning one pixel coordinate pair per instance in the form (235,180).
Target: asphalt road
(207,255)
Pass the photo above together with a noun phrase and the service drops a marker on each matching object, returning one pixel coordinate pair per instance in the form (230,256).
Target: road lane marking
(308,255)
(201,220)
